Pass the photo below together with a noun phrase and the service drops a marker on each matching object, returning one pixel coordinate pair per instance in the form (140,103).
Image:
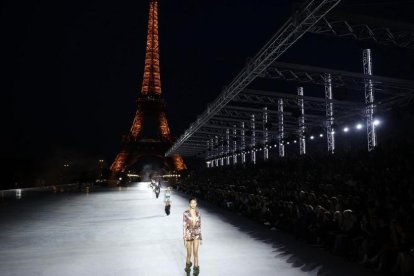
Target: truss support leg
(369,100)
(281,128)
(253,139)
(265,134)
(243,143)
(302,142)
(234,145)
(330,135)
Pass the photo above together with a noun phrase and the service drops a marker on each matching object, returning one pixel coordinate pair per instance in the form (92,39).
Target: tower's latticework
(150,112)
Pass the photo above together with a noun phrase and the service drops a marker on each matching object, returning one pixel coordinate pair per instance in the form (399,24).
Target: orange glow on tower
(179,163)
(151,83)
(137,124)
(164,129)
(150,106)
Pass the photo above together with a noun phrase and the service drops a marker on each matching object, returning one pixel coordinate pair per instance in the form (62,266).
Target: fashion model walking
(192,235)
(167,200)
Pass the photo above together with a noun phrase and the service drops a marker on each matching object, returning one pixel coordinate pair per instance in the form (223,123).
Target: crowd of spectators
(355,204)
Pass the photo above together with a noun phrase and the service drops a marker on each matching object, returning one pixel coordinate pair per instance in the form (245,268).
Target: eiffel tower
(149,135)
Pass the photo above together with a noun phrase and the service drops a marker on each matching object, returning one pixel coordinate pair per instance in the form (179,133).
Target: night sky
(72,71)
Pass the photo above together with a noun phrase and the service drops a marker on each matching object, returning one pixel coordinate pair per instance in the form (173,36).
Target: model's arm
(184,227)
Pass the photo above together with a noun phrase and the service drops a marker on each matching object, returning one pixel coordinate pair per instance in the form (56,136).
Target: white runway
(126,232)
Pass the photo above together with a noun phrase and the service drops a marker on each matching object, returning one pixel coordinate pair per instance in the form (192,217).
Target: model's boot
(196,270)
(188,268)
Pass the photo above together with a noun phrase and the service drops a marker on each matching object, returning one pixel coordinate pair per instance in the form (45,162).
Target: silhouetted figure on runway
(157,188)
(167,200)
(192,235)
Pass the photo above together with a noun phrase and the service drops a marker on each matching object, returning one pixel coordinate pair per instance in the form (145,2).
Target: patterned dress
(191,231)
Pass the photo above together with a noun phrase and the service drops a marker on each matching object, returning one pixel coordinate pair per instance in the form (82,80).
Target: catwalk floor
(125,231)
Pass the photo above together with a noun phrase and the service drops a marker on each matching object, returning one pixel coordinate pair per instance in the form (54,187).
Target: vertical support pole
(221,151)
(228,147)
(281,128)
(302,142)
(253,139)
(243,143)
(330,135)
(265,134)
(234,145)
(216,151)
(211,155)
(369,100)
(208,154)
(213,161)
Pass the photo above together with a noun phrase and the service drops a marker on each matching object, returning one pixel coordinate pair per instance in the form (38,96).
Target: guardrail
(18,193)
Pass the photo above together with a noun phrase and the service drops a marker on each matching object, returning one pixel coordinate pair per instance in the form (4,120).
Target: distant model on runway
(157,188)
(192,235)
(167,200)
(152,184)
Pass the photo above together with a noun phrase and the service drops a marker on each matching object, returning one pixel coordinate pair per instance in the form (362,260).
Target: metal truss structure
(243,121)
(366,28)
(355,81)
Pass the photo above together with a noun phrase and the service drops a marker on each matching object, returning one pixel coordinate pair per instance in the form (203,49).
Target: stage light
(294,141)
(359,126)
(346,129)
(377,122)
(321,135)
(312,137)
(288,143)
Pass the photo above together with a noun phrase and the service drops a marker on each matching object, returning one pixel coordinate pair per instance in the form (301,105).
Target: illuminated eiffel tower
(149,134)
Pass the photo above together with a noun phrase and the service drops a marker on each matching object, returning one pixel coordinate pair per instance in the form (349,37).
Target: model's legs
(195,252)
(189,245)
